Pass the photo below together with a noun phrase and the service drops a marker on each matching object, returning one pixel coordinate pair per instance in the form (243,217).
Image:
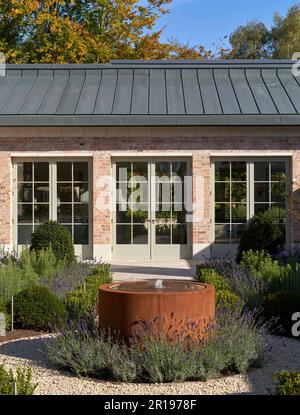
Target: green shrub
(225,297)
(229,300)
(210,276)
(23,379)
(37,308)
(288,383)
(44,262)
(282,305)
(58,237)
(83,299)
(262,233)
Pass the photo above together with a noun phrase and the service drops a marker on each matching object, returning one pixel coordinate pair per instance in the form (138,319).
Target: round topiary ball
(38,308)
(57,236)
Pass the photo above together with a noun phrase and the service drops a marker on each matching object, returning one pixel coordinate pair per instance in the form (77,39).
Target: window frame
(250,189)
(52,193)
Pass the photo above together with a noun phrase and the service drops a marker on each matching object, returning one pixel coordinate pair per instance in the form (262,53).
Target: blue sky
(204,22)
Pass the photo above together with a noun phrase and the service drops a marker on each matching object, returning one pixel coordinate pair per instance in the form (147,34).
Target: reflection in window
(230,200)
(232,204)
(32,198)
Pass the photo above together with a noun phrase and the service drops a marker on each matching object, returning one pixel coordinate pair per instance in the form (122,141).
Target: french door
(57,189)
(151,209)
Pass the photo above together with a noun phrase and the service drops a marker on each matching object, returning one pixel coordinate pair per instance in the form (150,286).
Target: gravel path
(281,353)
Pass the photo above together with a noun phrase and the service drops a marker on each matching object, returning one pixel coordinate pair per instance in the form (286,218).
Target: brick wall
(200,145)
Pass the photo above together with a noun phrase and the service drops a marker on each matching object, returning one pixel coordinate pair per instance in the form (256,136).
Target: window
(52,190)
(244,188)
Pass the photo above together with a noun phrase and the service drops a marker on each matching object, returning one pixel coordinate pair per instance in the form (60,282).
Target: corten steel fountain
(123,305)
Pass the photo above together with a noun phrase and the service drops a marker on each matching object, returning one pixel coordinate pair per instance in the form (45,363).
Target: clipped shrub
(262,233)
(37,308)
(52,234)
(288,383)
(282,305)
(23,379)
(82,300)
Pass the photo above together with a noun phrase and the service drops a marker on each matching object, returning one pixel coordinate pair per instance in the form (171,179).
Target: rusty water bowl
(172,303)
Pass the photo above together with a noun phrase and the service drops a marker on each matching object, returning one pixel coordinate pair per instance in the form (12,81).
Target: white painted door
(150,215)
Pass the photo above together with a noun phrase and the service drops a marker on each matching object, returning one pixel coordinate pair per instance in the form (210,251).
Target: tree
(285,34)
(250,41)
(65,31)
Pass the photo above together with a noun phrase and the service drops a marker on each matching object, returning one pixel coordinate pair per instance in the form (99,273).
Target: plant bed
(233,345)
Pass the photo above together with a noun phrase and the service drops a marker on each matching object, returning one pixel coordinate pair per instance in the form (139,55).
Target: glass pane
(123,171)
(261,171)
(24,172)
(260,207)
(222,213)
(236,233)
(25,213)
(140,215)
(177,192)
(41,192)
(64,213)
(24,234)
(179,234)
(238,192)
(238,171)
(222,171)
(123,234)
(163,234)
(123,216)
(162,168)
(179,168)
(163,217)
(64,172)
(278,192)
(81,171)
(278,170)
(239,213)
(140,234)
(279,212)
(41,172)
(179,216)
(81,213)
(81,192)
(222,192)
(81,235)
(261,192)
(163,207)
(64,192)
(24,192)
(222,234)
(163,192)
(140,171)
(41,213)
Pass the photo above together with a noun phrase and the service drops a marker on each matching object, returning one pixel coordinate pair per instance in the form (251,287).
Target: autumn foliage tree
(64,31)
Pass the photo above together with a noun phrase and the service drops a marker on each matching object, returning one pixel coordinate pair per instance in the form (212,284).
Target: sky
(205,22)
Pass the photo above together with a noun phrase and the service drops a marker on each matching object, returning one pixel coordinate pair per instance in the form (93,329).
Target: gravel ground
(281,353)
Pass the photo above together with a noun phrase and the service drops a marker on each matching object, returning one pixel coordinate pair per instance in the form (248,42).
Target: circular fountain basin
(169,303)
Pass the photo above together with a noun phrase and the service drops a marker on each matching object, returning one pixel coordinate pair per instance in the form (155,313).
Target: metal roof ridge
(157,63)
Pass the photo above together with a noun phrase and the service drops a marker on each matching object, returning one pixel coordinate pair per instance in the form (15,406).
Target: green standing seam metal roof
(151,93)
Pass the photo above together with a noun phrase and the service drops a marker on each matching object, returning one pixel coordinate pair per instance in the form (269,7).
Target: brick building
(226,133)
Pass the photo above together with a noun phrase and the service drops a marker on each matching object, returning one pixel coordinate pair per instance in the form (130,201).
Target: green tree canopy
(285,34)
(250,41)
